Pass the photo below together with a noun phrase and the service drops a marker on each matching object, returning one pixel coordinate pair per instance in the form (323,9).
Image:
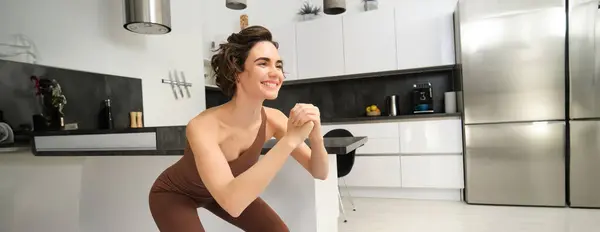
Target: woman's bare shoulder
(205,122)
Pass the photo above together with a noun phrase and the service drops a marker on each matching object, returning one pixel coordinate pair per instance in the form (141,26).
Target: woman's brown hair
(231,56)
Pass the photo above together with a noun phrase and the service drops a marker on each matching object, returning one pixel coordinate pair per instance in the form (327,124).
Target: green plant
(309,8)
(58,99)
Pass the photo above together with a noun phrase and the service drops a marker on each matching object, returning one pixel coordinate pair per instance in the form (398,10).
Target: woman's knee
(257,217)
(261,217)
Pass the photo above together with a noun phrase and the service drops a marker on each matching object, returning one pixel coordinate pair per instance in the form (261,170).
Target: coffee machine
(422,98)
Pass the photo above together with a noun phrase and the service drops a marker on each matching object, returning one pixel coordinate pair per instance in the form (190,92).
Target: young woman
(220,169)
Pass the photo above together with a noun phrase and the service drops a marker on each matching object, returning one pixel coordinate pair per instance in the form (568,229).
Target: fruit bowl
(374,113)
(373,110)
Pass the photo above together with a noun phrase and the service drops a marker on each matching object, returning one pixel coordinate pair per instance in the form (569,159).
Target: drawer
(380,146)
(94,142)
(431,136)
(374,171)
(432,171)
(371,130)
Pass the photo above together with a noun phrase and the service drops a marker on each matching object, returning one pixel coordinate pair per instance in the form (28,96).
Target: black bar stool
(345,162)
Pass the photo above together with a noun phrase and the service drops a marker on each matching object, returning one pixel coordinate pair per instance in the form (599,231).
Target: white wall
(219,21)
(88,35)
(97,194)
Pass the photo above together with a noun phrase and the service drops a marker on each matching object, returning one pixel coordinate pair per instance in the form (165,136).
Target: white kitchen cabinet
(382,137)
(432,171)
(285,35)
(380,146)
(431,136)
(371,130)
(424,40)
(374,171)
(320,47)
(370,42)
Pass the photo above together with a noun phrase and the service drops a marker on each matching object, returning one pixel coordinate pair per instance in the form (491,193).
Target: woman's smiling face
(263,72)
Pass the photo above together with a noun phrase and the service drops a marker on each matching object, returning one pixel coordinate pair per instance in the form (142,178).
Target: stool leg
(342,207)
(349,195)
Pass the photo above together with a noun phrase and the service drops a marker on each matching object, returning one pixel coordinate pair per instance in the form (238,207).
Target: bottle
(106,117)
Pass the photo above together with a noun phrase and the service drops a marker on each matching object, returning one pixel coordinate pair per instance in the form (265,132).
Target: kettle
(391,105)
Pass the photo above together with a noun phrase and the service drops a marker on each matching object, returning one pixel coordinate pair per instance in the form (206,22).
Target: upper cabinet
(285,35)
(374,41)
(424,41)
(370,41)
(320,48)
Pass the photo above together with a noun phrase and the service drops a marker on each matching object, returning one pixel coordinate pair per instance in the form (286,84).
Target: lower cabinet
(420,154)
(432,171)
(380,146)
(374,171)
(431,136)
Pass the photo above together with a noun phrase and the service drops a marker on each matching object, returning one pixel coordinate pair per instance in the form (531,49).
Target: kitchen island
(97,190)
(145,142)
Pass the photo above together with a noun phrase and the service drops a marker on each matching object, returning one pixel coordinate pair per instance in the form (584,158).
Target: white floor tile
(382,215)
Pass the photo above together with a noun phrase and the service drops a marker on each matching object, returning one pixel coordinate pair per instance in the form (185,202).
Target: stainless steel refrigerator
(512,57)
(584,104)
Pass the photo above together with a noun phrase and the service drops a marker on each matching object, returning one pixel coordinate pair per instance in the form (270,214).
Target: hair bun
(250,34)
(230,57)
(234,38)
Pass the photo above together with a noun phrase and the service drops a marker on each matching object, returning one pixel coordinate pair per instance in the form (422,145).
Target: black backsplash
(85,93)
(349,98)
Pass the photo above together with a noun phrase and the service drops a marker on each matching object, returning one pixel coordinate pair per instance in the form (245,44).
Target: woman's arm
(313,159)
(234,194)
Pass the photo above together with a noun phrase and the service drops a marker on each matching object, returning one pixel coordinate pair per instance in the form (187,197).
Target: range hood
(148,16)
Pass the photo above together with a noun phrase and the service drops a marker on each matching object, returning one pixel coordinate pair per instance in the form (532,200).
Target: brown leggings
(174,212)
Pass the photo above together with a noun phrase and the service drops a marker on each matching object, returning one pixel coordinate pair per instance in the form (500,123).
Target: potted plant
(309,11)
(53,102)
(371,4)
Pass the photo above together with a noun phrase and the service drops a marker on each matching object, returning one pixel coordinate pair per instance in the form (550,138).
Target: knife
(173,85)
(178,83)
(185,84)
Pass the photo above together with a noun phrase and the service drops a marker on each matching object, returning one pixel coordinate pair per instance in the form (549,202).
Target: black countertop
(333,145)
(324,121)
(384,118)
(171,140)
